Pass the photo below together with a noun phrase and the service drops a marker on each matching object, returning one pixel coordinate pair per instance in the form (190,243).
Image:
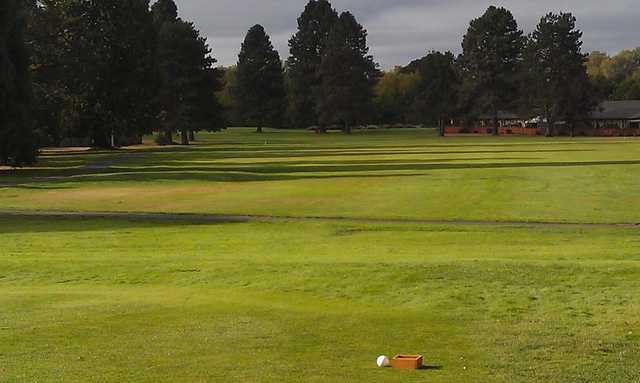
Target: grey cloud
(402,30)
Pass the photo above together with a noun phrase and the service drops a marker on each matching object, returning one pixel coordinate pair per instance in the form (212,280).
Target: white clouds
(401,30)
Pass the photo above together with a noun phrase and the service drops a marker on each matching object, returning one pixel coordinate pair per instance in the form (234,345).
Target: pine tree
(348,74)
(556,65)
(188,81)
(164,11)
(492,53)
(438,88)
(45,37)
(110,67)
(17,143)
(306,50)
(260,89)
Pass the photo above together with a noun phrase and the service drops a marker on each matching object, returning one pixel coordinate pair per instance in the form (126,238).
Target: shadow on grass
(119,224)
(432,368)
(279,172)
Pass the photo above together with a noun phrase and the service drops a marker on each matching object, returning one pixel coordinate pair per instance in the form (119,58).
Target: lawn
(407,174)
(186,298)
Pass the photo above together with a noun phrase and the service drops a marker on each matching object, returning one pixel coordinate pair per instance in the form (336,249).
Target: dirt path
(201,217)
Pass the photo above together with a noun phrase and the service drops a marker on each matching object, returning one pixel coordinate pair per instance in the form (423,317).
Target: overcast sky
(402,30)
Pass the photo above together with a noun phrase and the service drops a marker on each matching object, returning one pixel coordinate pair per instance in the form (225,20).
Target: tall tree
(306,50)
(17,144)
(492,53)
(188,81)
(46,42)
(110,66)
(348,75)
(164,11)
(260,91)
(438,88)
(561,86)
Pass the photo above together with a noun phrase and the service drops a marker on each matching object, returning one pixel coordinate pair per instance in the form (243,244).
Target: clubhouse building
(610,119)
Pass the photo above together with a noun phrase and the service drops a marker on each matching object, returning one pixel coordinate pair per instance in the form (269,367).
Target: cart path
(224,218)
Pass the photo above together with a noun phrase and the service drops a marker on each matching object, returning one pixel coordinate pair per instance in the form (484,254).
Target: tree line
(617,77)
(108,71)
(543,74)
(327,80)
(112,70)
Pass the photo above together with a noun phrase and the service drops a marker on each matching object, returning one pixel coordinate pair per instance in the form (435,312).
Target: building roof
(502,115)
(618,110)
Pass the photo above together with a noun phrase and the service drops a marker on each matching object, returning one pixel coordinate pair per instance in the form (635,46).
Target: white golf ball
(383,361)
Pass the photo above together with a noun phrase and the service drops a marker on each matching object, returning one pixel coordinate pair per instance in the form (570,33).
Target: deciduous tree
(394,96)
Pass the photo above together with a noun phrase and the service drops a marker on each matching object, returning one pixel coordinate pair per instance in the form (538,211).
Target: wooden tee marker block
(407,362)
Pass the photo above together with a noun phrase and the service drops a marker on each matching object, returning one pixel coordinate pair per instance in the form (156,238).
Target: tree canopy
(492,53)
(17,144)
(616,77)
(306,49)
(559,83)
(348,74)
(260,88)
(438,88)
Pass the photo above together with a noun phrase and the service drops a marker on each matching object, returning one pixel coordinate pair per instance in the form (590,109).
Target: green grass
(383,174)
(117,300)
(168,299)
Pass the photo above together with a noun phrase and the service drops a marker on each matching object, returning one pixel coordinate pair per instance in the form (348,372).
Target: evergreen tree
(208,114)
(306,50)
(164,11)
(46,41)
(260,89)
(185,63)
(110,67)
(561,88)
(348,74)
(492,53)
(437,94)
(17,144)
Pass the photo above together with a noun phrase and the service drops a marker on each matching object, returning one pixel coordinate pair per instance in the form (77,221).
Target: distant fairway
(164,298)
(382,174)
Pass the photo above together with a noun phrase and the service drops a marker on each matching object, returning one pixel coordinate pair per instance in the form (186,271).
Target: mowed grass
(379,174)
(180,299)
(118,300)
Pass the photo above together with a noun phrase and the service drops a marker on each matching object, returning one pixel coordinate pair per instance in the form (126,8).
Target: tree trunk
(549,130)
(184,137)
(168,136)
(549,117)
(347,128)
(192,135)
(496,127)
(441,127)
(101,140)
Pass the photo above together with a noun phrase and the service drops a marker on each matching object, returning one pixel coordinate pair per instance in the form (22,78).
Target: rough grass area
(117,300)
(382,174)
